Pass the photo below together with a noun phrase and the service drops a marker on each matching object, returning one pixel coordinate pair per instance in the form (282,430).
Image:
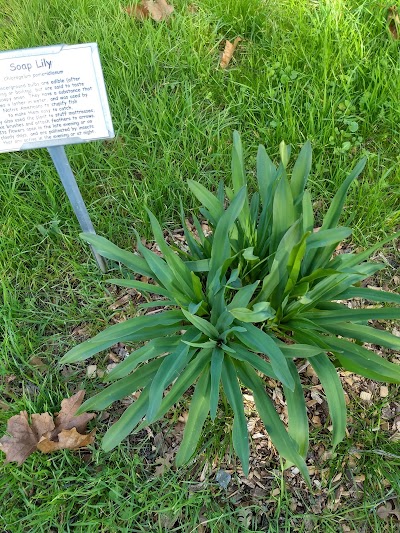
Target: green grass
(319,70)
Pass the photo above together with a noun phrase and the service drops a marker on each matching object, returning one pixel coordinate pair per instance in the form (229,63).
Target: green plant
(257,294)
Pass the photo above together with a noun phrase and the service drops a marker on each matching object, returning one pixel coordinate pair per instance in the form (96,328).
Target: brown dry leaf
(24,437)
(163,465)
(68,439)
(393,19)
(63,432)
(390,509)
(158,10)
(66,419)
(228,52)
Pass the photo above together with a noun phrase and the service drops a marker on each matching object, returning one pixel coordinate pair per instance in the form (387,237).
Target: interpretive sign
(53,95)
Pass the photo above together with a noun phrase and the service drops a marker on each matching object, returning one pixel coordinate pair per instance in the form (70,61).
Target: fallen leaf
(228,52)
(24,437)
(390,509)
(393,21)
(66,419)
(163,465)
(158,10)
(68,439)
(46,434)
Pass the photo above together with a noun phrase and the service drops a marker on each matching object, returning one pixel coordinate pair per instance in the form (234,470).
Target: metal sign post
(62,165)
(53,96)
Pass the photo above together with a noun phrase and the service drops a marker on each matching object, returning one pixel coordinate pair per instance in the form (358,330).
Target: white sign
(51,96)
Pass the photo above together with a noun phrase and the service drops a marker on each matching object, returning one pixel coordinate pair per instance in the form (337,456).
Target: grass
(319,70)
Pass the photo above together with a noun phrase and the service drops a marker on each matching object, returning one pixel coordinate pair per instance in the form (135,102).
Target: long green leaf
(297,412)
(330,381)
(140,286)
(121,388)
(243,296)
(109,250)
(239,181)
(179,269)
(134,329)
(283,211)
(202,325)
(207,199)
(364,334)
(354,260)
(331,218)
(335,210)
(159,268)
(150,350)
(239,431)
(281,439)
(300,172)
(215,371)
(261,312)
(308,212)
(266,174)
(362,361)
(125,425)
(170,369)
(198,411)
(221,249)
(259,341)
(327,237)
(352,315)
(257,362)
(369,294)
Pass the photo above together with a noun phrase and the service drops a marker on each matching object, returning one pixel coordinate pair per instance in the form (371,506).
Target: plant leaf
(283,442)
(122,388)
(364,334)
(202,325)
(259,341)
(239,431)
(134,329)
(300,172)
(140,286)
(109,250)
(206,198)
(198,411)
(215,371)
(221,249)
(330,381)
(297,412)
(362,361)
(126,424)
(335,210)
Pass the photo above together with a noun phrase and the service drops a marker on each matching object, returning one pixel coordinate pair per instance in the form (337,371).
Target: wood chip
(366,396)
(383,391)
(91,371)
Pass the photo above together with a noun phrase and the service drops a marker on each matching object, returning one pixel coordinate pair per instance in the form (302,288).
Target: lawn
(323,70)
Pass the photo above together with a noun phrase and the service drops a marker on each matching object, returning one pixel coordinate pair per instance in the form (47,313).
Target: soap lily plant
(255,297)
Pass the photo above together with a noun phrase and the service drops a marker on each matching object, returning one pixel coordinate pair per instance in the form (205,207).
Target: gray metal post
(62,165)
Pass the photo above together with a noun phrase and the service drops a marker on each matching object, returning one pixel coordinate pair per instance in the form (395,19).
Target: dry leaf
(390,509)
(156,9)
(46,434)
(24,437)
(66,419)
(393,22)
(228,52)
(68,439)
